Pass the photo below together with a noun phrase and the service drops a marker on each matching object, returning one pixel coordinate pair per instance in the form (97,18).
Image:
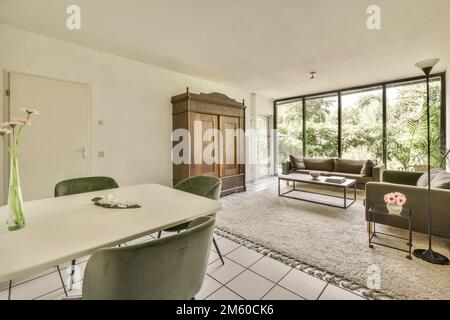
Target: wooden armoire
(211,111)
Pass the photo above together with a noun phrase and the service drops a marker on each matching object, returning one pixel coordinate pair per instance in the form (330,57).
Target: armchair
(405,182)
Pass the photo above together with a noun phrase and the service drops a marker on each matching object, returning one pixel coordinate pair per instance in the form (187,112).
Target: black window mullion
(339,125)
(443,112)
(304,125)
(384,126)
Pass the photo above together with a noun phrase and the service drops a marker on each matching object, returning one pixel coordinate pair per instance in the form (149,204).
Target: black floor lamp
(428,254)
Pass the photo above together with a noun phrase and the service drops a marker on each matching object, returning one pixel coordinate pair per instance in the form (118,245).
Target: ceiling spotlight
(313,75)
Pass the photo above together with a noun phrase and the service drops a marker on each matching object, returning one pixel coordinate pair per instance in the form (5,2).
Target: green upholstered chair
(82,185)
(170,268)
(204,186)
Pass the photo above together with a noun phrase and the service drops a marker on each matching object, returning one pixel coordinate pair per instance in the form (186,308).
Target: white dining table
(61,229)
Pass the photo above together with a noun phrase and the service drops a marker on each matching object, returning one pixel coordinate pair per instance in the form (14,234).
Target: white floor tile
(56,295)
(303,284)
(4,295)
(279,293)
(83,259)
(224,294)
(36,288)
(209,286)
(224,273)
(271,269)
(139,240)
(4,285)
(250,286)
(333,292)
(244,256)
(37,275)
(213,256)
(226,246)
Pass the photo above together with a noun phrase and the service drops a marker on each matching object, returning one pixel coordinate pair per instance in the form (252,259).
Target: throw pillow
(348,166)
(297,162)
(441,181)
(325,164)
(423,180)
(366,170)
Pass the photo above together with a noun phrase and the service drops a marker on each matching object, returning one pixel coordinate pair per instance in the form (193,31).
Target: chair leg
(62,281)
(9,290)
(159,234)
(218,251)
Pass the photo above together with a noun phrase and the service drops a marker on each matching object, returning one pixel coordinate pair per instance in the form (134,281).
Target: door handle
(84,152)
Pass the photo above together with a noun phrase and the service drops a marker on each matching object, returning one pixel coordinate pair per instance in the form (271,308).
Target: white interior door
(262,146)
(57,144)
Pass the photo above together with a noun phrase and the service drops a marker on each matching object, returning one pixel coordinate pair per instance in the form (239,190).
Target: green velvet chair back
(82,185)
(171,268)
(208,187)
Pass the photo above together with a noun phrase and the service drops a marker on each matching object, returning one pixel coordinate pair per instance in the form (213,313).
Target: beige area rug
(333,244)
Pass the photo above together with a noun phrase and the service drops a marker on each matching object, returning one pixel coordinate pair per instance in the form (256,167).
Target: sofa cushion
(366,170)
(423,180)
(348,166)
(297,162)
(319,164)
(441,181)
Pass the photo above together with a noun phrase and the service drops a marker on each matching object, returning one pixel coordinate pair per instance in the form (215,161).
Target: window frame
(384,85)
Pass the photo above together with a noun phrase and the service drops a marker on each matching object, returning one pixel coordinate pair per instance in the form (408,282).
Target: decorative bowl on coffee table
(315,175)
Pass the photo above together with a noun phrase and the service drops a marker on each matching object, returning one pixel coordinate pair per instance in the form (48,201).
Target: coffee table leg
(345,197)
(279,193)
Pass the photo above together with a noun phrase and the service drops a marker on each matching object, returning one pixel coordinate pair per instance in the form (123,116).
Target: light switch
(101,154)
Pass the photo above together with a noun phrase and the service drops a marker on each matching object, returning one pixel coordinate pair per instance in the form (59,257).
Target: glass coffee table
(348,184)
(377,214)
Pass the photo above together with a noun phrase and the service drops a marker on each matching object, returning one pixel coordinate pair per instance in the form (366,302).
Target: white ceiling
(263,46)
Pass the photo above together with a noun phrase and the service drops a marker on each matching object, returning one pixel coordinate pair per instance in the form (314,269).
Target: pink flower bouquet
(395,198)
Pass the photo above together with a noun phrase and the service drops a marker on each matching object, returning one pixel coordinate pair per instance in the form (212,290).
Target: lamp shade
(427,65)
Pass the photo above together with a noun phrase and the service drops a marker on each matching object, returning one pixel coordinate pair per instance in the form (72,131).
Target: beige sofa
(363,171)
(406,183)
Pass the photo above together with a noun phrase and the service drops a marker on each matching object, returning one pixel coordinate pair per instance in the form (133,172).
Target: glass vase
(16,219)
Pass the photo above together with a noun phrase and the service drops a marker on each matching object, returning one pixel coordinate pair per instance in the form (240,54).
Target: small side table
(380,211)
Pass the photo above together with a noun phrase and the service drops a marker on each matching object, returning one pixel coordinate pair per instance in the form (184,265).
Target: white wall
(131,97)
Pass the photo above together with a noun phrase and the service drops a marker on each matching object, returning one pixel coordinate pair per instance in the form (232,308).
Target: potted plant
(395,202)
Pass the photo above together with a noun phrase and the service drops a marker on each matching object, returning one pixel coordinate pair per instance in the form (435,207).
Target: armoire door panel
(206,122)
(230,146)
(212,111)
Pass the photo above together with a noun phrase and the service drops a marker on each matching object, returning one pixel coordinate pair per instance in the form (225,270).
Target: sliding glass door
(262,146)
